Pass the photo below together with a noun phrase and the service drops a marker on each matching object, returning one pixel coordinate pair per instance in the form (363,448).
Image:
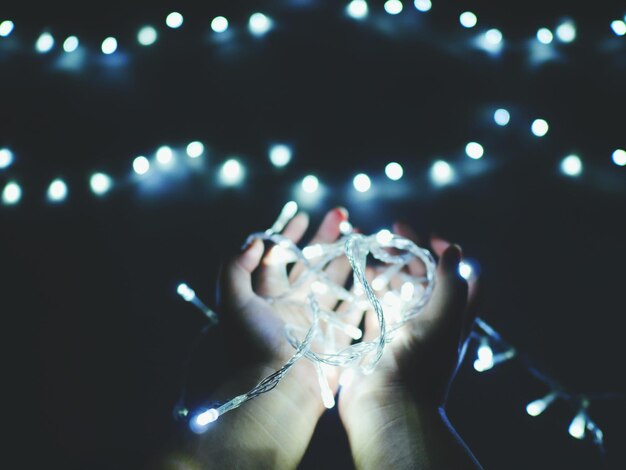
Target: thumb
(236,276)
(445,312)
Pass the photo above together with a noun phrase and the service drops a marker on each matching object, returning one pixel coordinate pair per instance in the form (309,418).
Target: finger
(327,232)
(236,277)
(445,313)
(272,277)
(439,245)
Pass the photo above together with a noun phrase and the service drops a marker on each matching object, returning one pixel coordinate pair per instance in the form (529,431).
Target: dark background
(93,335)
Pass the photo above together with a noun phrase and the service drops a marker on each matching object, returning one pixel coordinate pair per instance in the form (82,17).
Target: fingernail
(343,211)
(249,241)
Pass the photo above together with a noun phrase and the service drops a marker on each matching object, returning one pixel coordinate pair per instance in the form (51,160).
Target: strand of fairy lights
(351,246)
(260,23)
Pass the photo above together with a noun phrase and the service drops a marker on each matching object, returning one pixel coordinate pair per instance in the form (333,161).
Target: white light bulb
(259,24)
(536,407)
(70,44)
(44,43)
(6,158)
(100,183)
(465,270)
(493,37)
(57,191)
(384,237)
(406,291)
(186,292)
(571,165)
(357,9)
(174,20)
(539,127)
(393,7)
(147,36)
(164,155)
(312,251)
(319,287)
(362,183)
(618,27)
(141,165)
(310,184)
(423,5)
(394,171)
(11,194)
(468,19)
(195,149)
(484,359)
(619,157)
(441,173)
(501,117)
(544,36)
(474,150)
(6,28)
(577,426)
(345,227)
(231,173)
(201,421)
(219,24)
(109,45)
(566,31)
(280,155)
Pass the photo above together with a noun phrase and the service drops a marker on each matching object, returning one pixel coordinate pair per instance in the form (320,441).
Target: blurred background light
(70,44)
(259,24)
(357,9)
(6,158)
(174,20)
(44,43)
(219,24)
(11,194)
(231,173)
(441,173)
(539,127)
(468,19)
(141,165)
(566,31)
(109,45)
(310,184)
(57,191)
(501,117)
(619,157)
(544,36)
(618,27)
(394,171)
(493,36)
(280,155)
(423,5)
(474,150)
(571,165)
(147,36)
(393,7)
(362,183)
(100,183)
(6,28)
(164,155)
(194,149)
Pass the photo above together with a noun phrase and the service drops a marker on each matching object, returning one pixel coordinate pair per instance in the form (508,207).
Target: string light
(70,44)
(578,424)
(539,127)
(57,191)
(141,165)
(362,183)
(194,149)
(174,20)
(11,194)
(44,43)
(501,117)
(310,184)
(536,407)
(423,5)
(618,27)
(6,28)
(468,19)
(189,295)
(394,171)
(6,158)
(100,183)
(619,157)
(147,36)
(164,155)
(474,150)
(259,24)
(493,37)
(219,24)
(393,7)
(357,9)
(441,173)
(109,45)
(231,172)
(566,31)
(571,165)
(280,155)
(544,36)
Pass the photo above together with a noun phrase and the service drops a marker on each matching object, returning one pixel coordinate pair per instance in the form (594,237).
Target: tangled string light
(400,302)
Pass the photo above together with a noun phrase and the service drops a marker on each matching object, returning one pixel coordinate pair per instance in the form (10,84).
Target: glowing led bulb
(474,150)
(423,5)
(6,158)
(174,20)
(357,9)
(501,117)
(280,155)
(362,183)
(44,43)
(484,359)
(406,291)
(345,227)
(465,270)
(147,36)
(393,7)
(195,149)
(493,37)
(468,19)
(571,165)
(100,183)
(619,157)
(618,27)
(219,24)
(57,191)
(310,184)
(327,394)
(312,251)
(394,171)
(11,194)
(259,24)
(231,172)
(539,127)
(141,165)
(577,426)
(109,45)
(441,173)
(384,237)
(164,155)
(566,31)
(186,292)
(201,421)
(544,36)
(70,44)
(6,28)
(536,407)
